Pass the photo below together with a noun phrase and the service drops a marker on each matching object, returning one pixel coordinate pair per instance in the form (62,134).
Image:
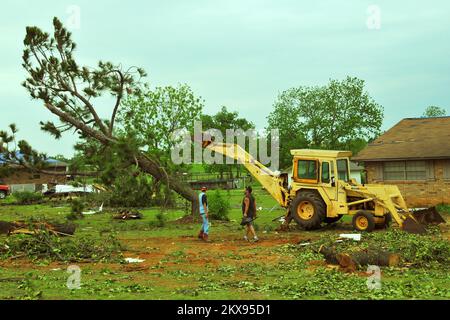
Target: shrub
(43,245)
(443,208)
(219,206)
(28,197)
(160,219)
(76,209)
(128,191)
(420,250)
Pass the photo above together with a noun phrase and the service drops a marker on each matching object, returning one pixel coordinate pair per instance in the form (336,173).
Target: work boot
(200,235)
(205,237)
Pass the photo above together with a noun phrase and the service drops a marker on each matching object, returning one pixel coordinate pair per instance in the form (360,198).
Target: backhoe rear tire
(363,221)
(308,210)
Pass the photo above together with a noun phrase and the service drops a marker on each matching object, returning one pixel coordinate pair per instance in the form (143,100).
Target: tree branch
(116,107)
(79,125)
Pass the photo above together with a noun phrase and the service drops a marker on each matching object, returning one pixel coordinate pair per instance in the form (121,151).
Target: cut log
(351,261)
(21,227)
(63,229)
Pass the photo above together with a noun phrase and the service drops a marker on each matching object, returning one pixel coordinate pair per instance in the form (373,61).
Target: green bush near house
(28,197)
(443,208)
(76,209)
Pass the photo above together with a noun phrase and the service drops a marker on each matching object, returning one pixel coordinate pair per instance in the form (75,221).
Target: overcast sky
(241,53)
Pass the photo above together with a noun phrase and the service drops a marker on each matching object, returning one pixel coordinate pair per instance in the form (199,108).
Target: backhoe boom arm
(272,182)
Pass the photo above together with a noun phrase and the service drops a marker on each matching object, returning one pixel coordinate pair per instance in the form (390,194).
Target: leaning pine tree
(68,91)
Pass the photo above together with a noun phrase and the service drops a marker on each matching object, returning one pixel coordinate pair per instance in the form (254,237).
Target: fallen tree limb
(11,279)
(21,227)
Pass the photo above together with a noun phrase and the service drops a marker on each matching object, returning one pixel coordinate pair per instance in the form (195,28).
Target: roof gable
(411,138)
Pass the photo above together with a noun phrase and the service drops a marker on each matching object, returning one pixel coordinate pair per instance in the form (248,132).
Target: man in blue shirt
(203,205)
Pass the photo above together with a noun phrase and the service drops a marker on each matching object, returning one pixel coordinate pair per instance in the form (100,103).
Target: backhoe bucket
(428,216)
(413,226)
(416,221)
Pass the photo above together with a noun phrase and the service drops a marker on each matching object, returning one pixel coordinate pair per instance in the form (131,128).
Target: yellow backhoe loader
(322,191)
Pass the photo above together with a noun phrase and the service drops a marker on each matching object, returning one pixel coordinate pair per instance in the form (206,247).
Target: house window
(447,170)
(405,170)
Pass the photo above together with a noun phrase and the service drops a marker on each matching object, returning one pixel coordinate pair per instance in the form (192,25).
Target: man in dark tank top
(249,213)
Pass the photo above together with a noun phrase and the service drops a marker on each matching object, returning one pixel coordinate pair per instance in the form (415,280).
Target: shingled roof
(50,162)
(411,138)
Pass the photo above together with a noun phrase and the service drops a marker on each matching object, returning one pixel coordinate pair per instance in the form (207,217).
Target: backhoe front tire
(308,210)
(363,221)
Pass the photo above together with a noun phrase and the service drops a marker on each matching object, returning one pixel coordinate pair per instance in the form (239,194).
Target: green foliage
(333,284)
(76,209)
(434,111)
(131,191)
(443,208)
(110,161)
(160,219)
(28,197)
(31,293)
(66,249)
(340,115)
(154,116)
(19,153)
(219,206)
(420,250)
(222,121)
(56,79)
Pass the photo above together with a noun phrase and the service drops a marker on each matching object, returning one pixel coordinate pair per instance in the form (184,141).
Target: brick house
(415,156)
(22,179)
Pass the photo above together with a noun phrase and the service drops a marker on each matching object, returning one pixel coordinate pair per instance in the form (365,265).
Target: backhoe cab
(317,188)
(322,191)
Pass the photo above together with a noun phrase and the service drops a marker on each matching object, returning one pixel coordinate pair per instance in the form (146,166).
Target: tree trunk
(158,172)
(350,261)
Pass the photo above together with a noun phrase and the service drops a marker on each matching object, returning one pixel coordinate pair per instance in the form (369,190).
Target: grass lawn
(179,266)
